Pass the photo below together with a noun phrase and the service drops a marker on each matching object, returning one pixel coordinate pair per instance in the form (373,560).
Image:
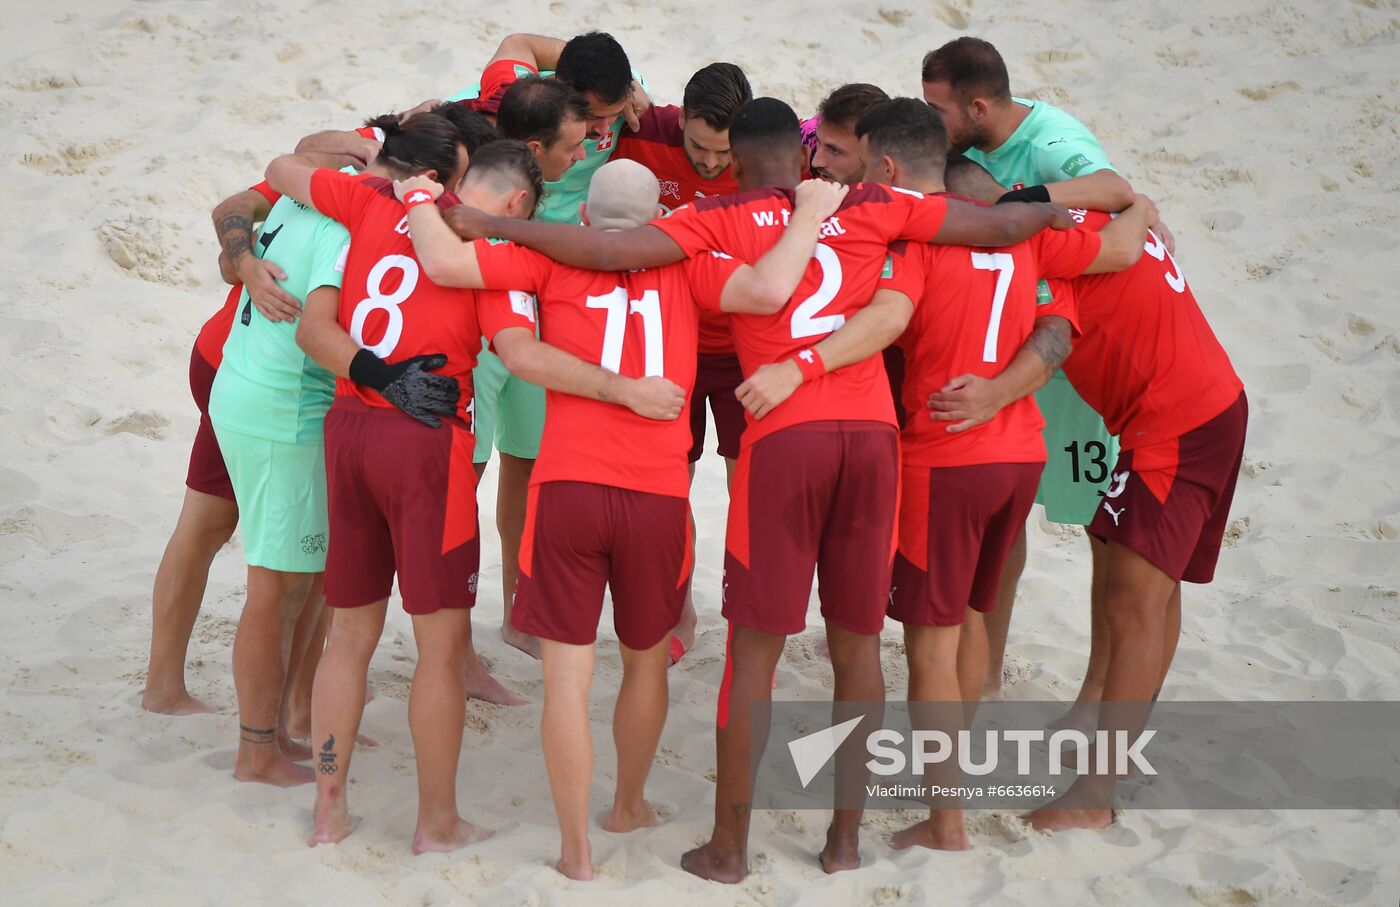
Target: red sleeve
(924,214)
(340,196)
(497,310)
(370,132)
(707,274)
(1065,253)
(695,231)
(496,80)
(1061,303)
(506,266)
(266,191)
(905,270)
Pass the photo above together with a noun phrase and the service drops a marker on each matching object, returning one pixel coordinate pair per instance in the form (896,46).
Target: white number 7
(1005,266)
(615,329)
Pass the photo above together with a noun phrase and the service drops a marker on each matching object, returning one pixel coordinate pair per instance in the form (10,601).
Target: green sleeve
(327,259)
(1067,155)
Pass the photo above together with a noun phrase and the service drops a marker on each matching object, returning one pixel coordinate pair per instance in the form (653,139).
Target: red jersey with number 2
(840,280)
(633,323)
(1147,359)
(973,308)
(387,304)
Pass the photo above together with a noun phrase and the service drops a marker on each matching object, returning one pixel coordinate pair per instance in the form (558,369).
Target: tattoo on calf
(327,757)
(257,735)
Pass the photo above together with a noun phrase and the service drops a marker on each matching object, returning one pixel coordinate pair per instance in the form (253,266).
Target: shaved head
(622,195)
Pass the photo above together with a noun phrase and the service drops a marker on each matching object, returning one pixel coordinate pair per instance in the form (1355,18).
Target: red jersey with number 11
(840,280)
(387,304)
(634,323)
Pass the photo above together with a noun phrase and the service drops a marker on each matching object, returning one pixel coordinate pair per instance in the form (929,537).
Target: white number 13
(618,308)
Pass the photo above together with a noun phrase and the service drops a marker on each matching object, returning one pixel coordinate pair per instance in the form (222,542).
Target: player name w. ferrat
(780,217)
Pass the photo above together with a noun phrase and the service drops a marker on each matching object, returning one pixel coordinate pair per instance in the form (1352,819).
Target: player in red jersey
(1148,361)
(841,462)
(402,494)
(837,152)
(687,147)
(608,493)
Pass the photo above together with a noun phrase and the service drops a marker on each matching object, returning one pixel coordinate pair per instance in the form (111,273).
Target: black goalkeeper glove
(1027,194)
(410,385)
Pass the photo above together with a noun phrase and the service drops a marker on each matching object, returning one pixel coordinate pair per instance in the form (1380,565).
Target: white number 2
(1005,266)
(389,305)
(805,322)
(1158,250)
(618,308)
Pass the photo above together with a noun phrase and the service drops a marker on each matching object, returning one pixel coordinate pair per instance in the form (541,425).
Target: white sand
(1267,133)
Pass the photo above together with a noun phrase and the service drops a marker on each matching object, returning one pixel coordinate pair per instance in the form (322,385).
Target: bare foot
(840,853)
(1083,716)
(274,769)
(293,749)
(993,693)
(331,819)
(1076,808)
(624,819)
(481,685)
(174,703)
(580,869)
(526,643)
(709,862)
(933,833)
(455,836)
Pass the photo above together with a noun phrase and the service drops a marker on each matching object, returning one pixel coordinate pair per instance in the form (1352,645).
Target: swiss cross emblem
(419,196)
(606,140)
(806,356)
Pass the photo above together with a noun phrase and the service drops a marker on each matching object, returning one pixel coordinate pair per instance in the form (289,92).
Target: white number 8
(389,305)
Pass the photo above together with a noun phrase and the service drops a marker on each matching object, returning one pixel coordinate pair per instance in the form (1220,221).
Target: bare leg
(685,628)
(932,653)
(337,705)
(511,494)
(998,620)
(436,711)
(972,659)
(479,682)
(752,658)
(301,672)
(260,652)
(637,721)
(205,524)
(1084,714)
(568,750)
(1171,636)
(298,721)
(855,660)
(1137,597)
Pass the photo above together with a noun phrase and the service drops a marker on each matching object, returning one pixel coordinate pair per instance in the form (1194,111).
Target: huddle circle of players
(971,312)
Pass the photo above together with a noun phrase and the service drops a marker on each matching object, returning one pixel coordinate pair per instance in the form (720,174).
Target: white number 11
(1005,266)
(615,328)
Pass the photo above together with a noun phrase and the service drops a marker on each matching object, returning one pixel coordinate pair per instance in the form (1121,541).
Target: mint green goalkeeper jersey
(1049,146)
(266,386)
(562,196)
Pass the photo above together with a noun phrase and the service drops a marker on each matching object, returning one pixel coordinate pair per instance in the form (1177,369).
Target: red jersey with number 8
(840,280)
(634,323)
(387,304)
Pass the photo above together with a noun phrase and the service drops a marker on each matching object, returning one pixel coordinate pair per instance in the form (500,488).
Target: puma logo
(1113,513)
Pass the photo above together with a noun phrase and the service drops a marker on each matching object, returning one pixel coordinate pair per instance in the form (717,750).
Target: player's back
(1147,359)
(387,304)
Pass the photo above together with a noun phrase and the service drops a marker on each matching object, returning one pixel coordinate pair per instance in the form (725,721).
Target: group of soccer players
(969,312)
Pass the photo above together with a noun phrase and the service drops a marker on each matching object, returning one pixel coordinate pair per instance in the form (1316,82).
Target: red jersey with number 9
(387,304)
(840,280)
(634,323)
(973,308)
(1147,359)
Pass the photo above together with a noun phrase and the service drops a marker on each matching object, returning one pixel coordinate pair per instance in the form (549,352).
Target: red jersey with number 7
(840,280)
(1147,359)
(387,304)
(633,323)
(973,308)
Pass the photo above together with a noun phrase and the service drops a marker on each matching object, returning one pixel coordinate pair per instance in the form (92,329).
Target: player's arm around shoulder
(1123,240)
(1000,225)
(446,260)
(539,51)
(291,175)
(766,286)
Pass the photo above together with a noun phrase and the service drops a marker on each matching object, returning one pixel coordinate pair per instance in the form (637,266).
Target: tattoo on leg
(257,735)
(740,810)
(327,758)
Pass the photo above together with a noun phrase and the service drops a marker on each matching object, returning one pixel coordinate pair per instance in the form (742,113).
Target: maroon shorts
(716,377)
(580,537)
(956,526)
(817,495)
(1170,501)
(402,499)
(207,472)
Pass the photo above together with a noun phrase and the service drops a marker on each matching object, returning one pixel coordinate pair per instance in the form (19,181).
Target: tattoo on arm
(235,235)
(1050,341)
(262,737)
(327,759)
